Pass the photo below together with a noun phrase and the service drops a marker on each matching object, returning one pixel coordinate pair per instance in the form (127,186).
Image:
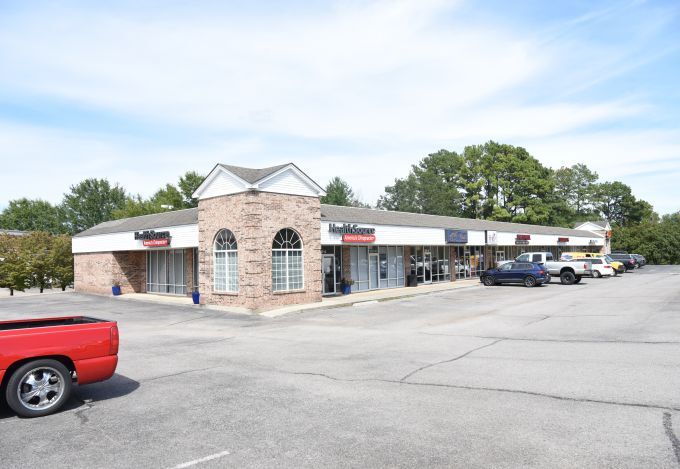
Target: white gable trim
(217,170)
(590,226)
(302,176)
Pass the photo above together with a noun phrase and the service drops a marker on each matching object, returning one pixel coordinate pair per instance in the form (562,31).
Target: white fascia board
(414,236)
(183,236)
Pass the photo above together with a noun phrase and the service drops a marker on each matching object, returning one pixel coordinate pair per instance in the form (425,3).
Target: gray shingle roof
(188,216)
(252,175)
(383,217)
(340,214)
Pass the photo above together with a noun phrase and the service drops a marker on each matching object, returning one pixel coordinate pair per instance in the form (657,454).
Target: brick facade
(96,272)
(255,218)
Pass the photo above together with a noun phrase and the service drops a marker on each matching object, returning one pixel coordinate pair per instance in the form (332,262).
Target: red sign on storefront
(156,242)
(562,240)
(358,238)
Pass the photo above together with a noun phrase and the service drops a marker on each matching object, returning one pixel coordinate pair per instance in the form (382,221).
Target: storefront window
(225,262)
(165,272)
(376,267)
(287,264)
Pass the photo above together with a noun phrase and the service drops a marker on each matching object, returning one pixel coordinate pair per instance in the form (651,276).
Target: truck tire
(489,281)
(529,281)
(578,279)
(567,278)
(38,388)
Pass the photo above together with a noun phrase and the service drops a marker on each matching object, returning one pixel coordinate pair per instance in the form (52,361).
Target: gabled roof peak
(252,175)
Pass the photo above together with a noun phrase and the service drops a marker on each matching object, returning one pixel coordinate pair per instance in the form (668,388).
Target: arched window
(287,261)
(225,260)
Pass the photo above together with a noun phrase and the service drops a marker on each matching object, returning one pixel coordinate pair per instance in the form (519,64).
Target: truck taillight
(115,340)
(607,266)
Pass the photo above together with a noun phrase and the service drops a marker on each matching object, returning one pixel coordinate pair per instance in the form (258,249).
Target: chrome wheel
(40,388)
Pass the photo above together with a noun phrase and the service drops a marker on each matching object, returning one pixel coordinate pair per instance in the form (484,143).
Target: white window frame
(226,238)
(287,251)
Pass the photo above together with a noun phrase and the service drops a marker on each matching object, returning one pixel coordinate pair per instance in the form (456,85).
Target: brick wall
(255,218)
(96,272)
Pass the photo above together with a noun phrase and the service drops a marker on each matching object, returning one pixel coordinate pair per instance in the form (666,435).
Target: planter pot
(196,297)
(115,290)
(346,289)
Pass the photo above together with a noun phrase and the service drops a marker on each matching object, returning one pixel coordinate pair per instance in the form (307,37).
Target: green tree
(61,261)
(168,198)
(91,202)
(135,206)
(339,192)
(36,248)
(32,215)
(432,186)
(577,186)
(658,240)
(402,196)
(188,185)
(616,203)
(14,272)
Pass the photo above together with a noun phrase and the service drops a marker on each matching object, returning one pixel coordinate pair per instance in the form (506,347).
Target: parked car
(40,359)
(599,267)
(617,266)
(529,274)
(641,261)
(569,272)
(628,261)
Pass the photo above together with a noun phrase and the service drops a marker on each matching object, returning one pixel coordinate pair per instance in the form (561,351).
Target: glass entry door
(373,267)
(328,267)
(427,265)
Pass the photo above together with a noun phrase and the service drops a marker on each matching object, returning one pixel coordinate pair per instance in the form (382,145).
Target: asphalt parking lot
(585,375)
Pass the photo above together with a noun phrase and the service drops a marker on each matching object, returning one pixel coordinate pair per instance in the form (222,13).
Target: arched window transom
(225,261)
(287,261)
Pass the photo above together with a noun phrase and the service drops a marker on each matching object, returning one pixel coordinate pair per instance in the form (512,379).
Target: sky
(140,92)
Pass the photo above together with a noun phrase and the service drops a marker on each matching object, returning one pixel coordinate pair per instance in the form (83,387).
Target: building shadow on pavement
(88,395)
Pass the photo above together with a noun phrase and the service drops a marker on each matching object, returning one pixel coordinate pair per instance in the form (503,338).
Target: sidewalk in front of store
(372,296)
(353,299)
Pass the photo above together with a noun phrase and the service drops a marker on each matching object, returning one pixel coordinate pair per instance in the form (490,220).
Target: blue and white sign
(456,236)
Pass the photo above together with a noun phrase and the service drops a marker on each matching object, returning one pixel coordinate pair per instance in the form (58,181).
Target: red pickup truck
(40,359)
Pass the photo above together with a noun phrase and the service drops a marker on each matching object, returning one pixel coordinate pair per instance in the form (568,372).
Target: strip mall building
(260,238)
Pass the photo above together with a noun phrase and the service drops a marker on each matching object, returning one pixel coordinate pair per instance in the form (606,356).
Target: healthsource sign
(153,238)
(353,233)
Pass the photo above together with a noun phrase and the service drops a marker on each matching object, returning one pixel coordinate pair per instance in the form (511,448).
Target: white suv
(600,267)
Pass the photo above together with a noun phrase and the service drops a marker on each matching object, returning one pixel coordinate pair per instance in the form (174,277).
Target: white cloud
(387,81)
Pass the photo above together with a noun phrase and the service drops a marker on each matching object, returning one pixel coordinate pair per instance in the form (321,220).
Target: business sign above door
(353,233)
(456,236)
(522,239)
(358,238)
(153,238)
(562,240)
(491,237)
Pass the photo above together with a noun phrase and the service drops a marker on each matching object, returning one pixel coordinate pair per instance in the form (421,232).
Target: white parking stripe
(202,460)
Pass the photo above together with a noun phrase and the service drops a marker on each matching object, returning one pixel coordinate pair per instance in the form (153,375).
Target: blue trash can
(115,289)
(196,297)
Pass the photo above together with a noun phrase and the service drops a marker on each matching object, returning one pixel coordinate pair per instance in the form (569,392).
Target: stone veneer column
(189,269)
(346,262)
(407,263)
